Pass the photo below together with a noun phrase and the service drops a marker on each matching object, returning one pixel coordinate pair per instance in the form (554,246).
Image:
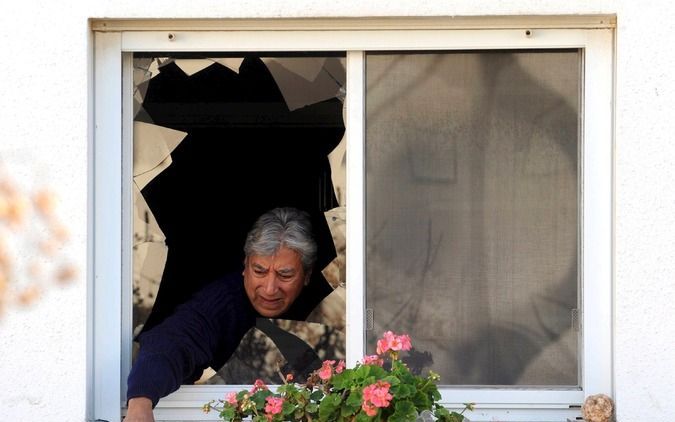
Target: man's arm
(179,348)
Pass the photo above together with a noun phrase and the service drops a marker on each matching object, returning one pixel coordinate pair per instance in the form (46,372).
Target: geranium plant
(367,392)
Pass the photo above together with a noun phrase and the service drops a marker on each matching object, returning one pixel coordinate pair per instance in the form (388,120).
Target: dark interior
(245,153)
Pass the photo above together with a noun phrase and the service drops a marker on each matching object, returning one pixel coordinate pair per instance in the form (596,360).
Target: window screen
(472,205)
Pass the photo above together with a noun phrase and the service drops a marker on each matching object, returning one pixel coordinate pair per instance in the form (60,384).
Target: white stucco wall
(645,206)
(44,100)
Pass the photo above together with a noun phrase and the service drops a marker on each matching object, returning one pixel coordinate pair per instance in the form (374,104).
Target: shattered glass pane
(219,140)
(472,212)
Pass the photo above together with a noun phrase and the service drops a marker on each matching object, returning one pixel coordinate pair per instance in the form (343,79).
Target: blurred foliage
(32,242)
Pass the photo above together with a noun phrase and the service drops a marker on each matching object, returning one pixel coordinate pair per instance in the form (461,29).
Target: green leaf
(259,399)
(317,395)
(404,390)
(456,417)
(355,398)
(346,410)
(378,372)
(421,401)
(287,408)
(362,417)
(392,380)
(352,405)
(227,414)
(398,418)
(441,413)
(312,408)
(400,370)
(404,411)
(363,371)
(342,381)
(435,395)
(329,405)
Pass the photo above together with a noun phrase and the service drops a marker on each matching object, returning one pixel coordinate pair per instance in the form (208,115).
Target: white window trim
(110,172)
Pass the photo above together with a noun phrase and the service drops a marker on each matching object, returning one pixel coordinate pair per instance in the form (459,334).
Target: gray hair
(279,227)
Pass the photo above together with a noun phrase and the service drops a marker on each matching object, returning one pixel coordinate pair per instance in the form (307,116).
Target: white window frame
(111,196)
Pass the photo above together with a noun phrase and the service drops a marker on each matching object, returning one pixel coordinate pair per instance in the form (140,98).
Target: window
(472,211)
(219,139)
(486,152)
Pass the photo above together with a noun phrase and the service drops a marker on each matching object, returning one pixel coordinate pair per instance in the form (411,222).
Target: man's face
(272,283)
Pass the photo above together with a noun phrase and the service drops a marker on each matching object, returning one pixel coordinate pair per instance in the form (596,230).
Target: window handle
(370,319)
(574,318)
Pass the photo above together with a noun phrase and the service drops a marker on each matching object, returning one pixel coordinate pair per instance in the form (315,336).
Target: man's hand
(139,410)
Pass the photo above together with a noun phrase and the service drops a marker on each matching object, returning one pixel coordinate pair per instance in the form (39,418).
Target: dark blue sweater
(202,332)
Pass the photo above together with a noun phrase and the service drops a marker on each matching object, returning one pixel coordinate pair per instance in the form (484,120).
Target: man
(206,330)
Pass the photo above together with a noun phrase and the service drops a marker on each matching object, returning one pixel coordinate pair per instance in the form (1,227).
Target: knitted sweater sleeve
(178,349)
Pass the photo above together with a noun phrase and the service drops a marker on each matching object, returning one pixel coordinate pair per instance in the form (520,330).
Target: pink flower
(406,344)
(258,385)
(373,360)
(382,346)
(376,395)
(393,342)
(326,370)
(232,399)
(340,367)
(274,405)
(369,409)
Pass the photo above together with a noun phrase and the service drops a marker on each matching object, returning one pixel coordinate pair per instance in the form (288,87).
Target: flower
(373,360)
(258,385)
(393,342)
(406,344)
(376,396)
(382,346)
(369,409)
(326,370)
(274,405)
(231,398)
(367,390)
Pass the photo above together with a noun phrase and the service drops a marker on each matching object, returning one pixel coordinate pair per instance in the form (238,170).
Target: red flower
(340,367)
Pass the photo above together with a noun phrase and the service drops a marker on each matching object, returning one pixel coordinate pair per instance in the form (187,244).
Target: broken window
(218,140)
(480,218)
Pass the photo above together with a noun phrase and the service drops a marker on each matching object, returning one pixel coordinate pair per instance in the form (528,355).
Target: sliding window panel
(218,140)
(472,212)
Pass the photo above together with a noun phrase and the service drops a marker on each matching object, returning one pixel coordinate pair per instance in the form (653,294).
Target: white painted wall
(44,98)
